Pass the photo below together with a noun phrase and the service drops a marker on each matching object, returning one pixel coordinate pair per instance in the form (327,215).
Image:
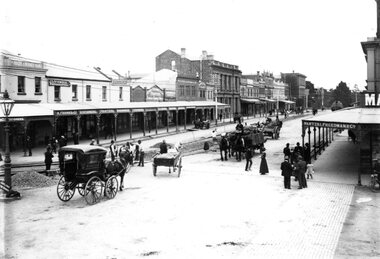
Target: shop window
(21,84)
(88,92)
(120,93)
(37,85)
(104,93)
(74,89)
(57,93)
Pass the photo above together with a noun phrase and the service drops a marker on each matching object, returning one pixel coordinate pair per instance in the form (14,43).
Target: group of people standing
(51,148)
(126,152)
(297,163)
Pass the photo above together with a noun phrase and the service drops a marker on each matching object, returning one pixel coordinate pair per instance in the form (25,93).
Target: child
(309,171)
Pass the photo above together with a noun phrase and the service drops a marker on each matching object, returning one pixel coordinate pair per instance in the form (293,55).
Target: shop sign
(12,119)
(60,113)
(57,82)
(88,112)
(137,110)
(371,99)
(107,111)
(123,110)
(338,125)
(119,82)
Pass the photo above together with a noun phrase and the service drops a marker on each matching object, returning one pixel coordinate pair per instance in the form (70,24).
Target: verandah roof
(22,110)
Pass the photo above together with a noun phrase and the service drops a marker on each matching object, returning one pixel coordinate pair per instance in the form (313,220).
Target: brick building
(297,85)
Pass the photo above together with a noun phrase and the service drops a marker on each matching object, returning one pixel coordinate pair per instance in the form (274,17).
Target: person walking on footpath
(263,164)
(307,154)
(29,144)
(286,172)
(286,151)
(48,158)
(300,168)
(142,153)
(248,157)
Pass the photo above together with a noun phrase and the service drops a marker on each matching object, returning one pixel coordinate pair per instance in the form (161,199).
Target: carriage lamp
(7,106)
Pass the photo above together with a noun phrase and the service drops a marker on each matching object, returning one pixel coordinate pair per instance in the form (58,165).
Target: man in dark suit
(286,172)
(163,147)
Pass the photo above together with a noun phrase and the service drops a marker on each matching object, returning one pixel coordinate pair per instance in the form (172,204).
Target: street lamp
(7,105)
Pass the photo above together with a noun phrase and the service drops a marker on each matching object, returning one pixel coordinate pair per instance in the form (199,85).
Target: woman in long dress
(263,164)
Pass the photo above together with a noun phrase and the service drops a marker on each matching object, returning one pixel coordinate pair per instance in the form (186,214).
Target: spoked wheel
(65,190)
(80,188)
(111,187)
(179,167)
(93,190)
(154,170)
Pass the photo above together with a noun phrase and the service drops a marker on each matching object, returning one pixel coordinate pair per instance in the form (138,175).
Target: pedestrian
(239,126)
(113,150)
(309,171)
(29,144)
(220,116)
(92,143)
(286,151)
(163,147)
(137,151)
(213,136)
(300,169)
(48,158)
(307,153)
(286,172)
(297,150)
(142,153)
(263,164)
(223,147)
(54,144)
(248,157)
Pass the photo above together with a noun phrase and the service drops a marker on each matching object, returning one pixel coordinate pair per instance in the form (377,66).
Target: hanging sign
(57,82)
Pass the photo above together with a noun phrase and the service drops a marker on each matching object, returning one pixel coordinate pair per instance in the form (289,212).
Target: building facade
(297,85)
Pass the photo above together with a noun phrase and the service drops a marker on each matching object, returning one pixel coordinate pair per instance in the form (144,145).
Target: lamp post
(7,105)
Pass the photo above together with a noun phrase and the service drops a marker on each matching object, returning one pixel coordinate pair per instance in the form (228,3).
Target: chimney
(183,52)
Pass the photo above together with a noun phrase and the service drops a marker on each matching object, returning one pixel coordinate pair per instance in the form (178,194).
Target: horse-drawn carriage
(252,136)
(272,128)
(172,159)
(84,167)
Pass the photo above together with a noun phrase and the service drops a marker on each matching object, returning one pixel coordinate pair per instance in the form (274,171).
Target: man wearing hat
(286,172)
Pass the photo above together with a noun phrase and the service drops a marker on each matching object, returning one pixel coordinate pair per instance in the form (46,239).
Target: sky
(320,39)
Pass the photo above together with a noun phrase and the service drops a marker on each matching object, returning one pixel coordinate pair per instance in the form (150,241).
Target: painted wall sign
(11,119)
(119,82)
(57,82)
(123,110)
(107,111)
(338,125)
(60,113)
(88,112)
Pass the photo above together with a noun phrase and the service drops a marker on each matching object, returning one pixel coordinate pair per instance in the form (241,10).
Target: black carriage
(172,159)
(85,168)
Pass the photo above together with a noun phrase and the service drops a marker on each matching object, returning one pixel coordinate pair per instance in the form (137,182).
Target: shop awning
(252,100)
(269,100)
(23,110)
(348,118)
(287,101)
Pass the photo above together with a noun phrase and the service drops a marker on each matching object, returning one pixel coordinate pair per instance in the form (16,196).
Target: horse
(117,167)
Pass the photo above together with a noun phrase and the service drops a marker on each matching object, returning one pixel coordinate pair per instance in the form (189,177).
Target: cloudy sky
(320,39)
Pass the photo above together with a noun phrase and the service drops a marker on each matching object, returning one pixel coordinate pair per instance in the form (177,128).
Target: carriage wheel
(154,170)
(111,187)
(179,167)
(64,189)
(93,190)
(80,188)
